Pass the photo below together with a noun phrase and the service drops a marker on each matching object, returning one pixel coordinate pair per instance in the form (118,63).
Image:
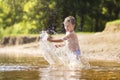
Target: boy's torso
(72,41)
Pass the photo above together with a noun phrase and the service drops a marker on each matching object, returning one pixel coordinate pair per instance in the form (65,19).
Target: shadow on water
(36,68)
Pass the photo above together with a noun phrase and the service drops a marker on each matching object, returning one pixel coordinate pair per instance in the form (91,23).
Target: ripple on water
(17,68)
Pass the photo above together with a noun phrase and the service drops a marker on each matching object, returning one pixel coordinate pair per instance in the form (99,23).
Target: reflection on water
(36,68)
(19,75)
(33,73)
(84,74)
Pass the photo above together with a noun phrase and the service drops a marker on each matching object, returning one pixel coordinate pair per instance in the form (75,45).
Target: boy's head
(69,23)
(70,19)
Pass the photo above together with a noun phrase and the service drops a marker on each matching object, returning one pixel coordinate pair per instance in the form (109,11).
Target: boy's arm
(54,40)
(59,40)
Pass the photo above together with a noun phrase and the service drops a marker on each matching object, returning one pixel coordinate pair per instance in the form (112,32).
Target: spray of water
(59,56)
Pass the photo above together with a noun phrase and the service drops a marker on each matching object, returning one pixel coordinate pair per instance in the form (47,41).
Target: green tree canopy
(32,16)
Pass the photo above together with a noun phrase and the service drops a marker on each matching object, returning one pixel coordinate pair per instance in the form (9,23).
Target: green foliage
(1,32)
(20,28)
(115,22)
(29,5)
(4,12)
(32,16)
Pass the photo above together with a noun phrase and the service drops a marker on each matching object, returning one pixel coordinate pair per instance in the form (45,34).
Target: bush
(1,32)
(20,28)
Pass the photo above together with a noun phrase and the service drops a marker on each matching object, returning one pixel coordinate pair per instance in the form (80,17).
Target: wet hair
(70,19)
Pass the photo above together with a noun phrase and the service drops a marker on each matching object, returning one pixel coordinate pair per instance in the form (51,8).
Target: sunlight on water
(15,68)
(59,56)
(83,74)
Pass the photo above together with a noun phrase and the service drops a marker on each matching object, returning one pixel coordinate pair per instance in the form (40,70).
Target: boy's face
(69,27)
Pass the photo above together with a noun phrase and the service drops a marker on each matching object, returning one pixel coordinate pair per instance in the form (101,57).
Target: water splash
(59,56)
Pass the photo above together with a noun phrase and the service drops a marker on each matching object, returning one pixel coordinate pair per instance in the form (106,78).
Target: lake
(27,67)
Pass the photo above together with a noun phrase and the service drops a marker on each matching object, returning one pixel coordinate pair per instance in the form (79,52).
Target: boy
(70,37)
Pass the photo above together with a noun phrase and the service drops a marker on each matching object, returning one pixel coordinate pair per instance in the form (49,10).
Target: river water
(29,67)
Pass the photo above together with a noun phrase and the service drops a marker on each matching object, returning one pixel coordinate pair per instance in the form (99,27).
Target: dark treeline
(32,16)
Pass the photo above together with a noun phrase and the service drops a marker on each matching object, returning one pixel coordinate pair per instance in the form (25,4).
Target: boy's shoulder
(71,34)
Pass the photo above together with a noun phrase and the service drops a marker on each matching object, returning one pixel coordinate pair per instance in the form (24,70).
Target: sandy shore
(97,46)
(101,46)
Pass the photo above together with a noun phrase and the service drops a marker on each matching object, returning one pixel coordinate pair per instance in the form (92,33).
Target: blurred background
(32,16)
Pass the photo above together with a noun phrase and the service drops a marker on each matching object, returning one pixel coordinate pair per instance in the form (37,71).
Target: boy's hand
(59,45)
(49,38)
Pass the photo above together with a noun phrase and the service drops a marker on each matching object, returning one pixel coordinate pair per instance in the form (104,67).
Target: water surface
(36,68)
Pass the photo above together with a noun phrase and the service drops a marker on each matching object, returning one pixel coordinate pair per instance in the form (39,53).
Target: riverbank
(97,46)
(101,46)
